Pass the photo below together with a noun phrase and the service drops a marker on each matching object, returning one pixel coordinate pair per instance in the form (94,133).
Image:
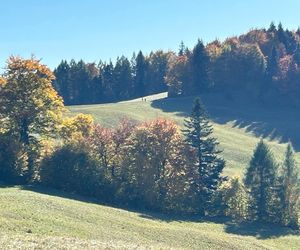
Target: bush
(72,168)
(13,161)
(231,200)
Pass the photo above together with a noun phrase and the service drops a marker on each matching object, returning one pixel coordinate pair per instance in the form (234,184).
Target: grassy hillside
(238,123)
(34,218)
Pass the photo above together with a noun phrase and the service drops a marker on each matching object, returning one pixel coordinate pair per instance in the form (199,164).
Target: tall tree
(272,27)
(156,72)
(108,82)
(199,63)
(260,180)
(182,49)
(62,80)
(290,189)
(281,34)
(296,55)
(149,163)
(272,65)
(209,164)
(29,104)
(123,78)
(140,75)
(177,74)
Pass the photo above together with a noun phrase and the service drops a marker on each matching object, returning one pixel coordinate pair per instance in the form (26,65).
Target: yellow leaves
(77,127)
(27,94)
(16,63)
(2,81)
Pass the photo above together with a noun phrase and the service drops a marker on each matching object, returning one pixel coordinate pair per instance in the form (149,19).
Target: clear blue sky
(92,29)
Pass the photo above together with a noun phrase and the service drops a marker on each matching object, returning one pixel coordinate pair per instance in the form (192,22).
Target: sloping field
(36,218)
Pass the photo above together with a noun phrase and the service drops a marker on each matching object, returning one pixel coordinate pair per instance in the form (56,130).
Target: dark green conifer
(260,179)
(209,165)
(290,189)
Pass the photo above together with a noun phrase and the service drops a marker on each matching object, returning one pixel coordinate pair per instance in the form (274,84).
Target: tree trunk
(24,138)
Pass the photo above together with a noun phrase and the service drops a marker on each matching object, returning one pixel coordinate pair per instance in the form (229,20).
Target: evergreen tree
(272,65)
(290,189)
(62,81)
(298,31)
(108,82)
(296,55)
(281,34)
(182,49)
(199,62)
(156,72)
(209,165)
(140,75)
(123,78)
(260,179)
(272,27)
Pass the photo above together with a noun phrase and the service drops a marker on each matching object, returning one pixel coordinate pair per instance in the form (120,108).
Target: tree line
(264,64)
(87,83)
(152,165)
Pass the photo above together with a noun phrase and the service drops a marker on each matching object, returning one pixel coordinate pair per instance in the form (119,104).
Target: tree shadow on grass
(37,188)
(259,230)
(267,121)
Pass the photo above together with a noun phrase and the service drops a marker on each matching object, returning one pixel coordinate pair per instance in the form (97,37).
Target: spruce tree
(281,34)
(209,165)
(290,189)
(272,65)
(260,180)
(182,49)
(296,55)
(199,68)
(272,27)
(140,75)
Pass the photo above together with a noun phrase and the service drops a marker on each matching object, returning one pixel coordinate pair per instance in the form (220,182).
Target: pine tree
(209,165)
(260,180)
(290,189)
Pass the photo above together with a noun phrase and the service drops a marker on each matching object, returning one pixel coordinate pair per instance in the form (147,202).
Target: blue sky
(89,29)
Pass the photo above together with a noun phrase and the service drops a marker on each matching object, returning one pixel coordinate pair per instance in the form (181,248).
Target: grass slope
(35,218)
(238,123)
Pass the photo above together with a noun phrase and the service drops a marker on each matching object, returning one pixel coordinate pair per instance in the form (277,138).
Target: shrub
(72,168)
(13,160)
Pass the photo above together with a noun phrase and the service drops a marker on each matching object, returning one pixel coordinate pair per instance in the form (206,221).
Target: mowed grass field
(237,125)
(37,218)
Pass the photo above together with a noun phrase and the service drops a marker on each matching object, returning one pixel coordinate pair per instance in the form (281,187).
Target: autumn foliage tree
(152,158)
(30,108)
